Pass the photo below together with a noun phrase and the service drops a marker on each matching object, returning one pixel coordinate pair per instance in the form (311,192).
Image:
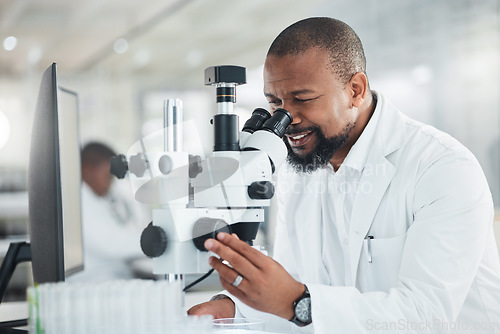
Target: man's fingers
(237,261)
(247,251)
(237,292)
(199,310)
(223,308)
(227,277)
(227,274)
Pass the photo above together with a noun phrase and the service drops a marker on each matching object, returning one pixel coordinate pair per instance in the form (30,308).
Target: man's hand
(222,308)
(266,285)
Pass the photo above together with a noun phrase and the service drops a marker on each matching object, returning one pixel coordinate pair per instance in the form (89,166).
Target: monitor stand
(18,252)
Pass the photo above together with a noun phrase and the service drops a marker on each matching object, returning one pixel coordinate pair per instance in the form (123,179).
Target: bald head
(335,37)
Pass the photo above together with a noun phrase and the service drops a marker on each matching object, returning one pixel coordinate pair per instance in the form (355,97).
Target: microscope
(197,198)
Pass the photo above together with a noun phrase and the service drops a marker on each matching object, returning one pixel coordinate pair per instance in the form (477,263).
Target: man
(384,223)
(95,167)
(110,235)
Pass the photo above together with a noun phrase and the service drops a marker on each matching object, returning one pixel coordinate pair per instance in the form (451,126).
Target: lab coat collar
(376,176)
(358,154)
(390,131)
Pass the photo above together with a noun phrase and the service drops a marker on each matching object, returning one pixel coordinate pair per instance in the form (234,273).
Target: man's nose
(295,114)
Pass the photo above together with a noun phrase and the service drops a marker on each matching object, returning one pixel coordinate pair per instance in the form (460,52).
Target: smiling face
(324,123)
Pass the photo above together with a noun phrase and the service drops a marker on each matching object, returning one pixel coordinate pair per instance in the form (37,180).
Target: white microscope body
(195,198)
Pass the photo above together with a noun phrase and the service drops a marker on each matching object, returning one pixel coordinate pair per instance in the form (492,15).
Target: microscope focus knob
(138,164)
(261,190)
(154,241)
(119,166)
(206,228)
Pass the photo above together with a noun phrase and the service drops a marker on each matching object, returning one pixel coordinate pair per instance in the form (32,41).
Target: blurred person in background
(111,221)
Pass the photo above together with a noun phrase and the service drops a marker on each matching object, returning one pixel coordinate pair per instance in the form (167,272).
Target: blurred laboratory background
(437,60)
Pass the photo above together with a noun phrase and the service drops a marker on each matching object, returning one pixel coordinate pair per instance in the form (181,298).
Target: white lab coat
(435,263)
(109,242)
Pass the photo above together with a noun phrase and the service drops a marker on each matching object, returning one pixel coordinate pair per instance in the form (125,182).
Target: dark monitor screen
(54,181)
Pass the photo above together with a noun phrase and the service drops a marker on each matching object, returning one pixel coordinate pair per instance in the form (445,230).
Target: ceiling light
(10,43)
(120,46)
(4,129)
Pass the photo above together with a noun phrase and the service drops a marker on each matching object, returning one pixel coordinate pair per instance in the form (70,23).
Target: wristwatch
(302,310)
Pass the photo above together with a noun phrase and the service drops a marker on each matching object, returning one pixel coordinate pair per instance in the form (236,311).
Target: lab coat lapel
(376,177)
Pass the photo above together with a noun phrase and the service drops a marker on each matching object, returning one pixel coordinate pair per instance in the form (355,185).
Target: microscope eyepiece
(278,122)
(257,120)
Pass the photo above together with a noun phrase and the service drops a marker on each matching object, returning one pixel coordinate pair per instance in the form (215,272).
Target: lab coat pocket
(379,263)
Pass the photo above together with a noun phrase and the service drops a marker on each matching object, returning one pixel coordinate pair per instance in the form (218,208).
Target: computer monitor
(54,181)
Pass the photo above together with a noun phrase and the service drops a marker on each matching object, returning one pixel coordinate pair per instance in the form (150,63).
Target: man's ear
(359,88)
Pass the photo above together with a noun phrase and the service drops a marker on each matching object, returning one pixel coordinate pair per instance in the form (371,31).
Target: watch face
(303,310)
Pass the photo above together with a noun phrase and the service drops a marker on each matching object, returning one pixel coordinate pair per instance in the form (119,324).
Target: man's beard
(321,154)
